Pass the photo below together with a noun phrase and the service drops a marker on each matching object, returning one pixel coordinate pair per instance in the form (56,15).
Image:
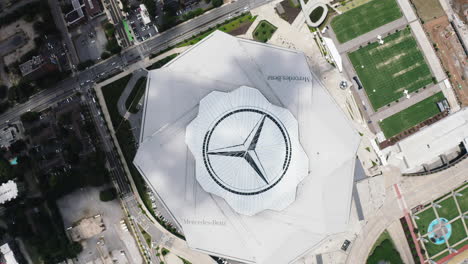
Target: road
(129,56)
(414,191)
(83,80)
(118,176)
(62,27)
(117,18)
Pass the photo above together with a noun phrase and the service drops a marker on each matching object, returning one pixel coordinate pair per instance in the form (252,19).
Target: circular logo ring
(265,115)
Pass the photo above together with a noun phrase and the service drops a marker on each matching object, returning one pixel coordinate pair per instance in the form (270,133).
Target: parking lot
(114,240)
(90,40)
(142,27)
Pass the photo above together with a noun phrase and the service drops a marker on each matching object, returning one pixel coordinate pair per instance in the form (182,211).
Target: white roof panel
(220,64)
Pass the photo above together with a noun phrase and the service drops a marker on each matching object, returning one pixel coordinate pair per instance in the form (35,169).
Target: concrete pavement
(61,25)
(128,89)
(405,103)
(401,243)
(172,242)
(369,36)
(428,51)
(416,190)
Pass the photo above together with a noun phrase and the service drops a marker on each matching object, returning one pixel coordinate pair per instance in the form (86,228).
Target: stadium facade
(247,150)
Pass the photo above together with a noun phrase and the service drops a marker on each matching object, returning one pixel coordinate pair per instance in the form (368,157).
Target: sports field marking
(407,69)
(411,116)
(391,60)
(420,79)
(386,71)
(390,43)
(365,18)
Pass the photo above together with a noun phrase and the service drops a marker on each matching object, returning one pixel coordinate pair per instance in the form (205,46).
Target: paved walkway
(369,36)
(416,190)
(168,240)
(428,51)
(128,89)
(407,9)
(396,232)
(405,103)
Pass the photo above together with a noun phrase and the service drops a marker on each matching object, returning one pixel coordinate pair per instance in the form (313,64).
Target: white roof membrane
(278,80)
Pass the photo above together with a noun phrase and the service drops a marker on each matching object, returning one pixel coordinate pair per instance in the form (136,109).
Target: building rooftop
(429,143)
(8,255)
(8,191)
(222,66)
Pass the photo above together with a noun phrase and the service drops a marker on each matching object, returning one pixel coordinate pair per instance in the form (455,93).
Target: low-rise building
(144,14)
(37,67)
(92,8)
(76,15)
(7,255)
(8,191)
(8,135)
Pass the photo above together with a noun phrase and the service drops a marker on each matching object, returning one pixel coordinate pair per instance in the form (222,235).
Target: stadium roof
(247,150)
(280,81)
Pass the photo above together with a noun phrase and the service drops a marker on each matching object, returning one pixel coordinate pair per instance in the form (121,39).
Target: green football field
(411,116)
(387,70)
(365,18)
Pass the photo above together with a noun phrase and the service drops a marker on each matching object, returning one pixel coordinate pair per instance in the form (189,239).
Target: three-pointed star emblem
(246,150)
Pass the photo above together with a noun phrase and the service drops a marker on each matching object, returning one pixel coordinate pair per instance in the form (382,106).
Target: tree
(105,55)
(30,117)
(108,195)
(217,3)
(4,107)
(3,91)
(6,173)
(18,146)
(74,249)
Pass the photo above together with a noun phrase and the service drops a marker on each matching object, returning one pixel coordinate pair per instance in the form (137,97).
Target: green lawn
(162,62)
(365,18)
(384,251)
(264,31)
(464,243)
(441,256)
(425,218)
(448,210)
(316,14)
(433,249)
(411,116)
(463,200)
(387,70)
(227,27)
(135,95)
(458,232)
(146,236)
(111,93)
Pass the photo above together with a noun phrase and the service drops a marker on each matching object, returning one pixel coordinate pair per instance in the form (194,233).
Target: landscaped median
(264,31)
(126,139)
(384,251)
(411,116)
(234,26)
(131,104)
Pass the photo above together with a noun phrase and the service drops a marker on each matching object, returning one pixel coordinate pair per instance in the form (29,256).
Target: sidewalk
(405,103)
(416,190)
(126,92)
(177,245)
(369,36)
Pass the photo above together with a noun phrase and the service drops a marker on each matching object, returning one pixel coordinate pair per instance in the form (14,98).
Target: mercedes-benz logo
(247,151)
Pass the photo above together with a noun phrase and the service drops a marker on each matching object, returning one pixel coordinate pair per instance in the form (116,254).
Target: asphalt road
(129,56)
